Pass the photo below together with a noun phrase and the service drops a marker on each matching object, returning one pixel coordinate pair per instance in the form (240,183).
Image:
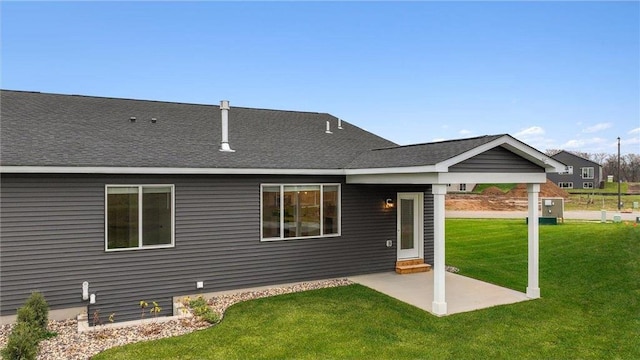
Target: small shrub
(26,314)
(202,310)
(41,309)
(22,343)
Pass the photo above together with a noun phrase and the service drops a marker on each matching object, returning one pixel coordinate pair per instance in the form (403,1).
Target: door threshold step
(411,266)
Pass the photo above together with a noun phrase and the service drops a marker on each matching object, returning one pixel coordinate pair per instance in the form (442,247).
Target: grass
(478,189)
(590,306)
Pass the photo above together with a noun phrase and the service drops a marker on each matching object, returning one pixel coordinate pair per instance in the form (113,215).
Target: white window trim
(282,186)
(584,185)
(593,171)
(565,187)
(140,225)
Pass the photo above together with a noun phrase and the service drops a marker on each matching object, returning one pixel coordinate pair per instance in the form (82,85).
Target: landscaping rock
(71,345)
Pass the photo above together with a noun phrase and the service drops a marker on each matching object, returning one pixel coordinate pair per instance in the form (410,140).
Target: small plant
(22,343)
(143,305)
(96,318)
(155,309)
(112,317)
(202,310)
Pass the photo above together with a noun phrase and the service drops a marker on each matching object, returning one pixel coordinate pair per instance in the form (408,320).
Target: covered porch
(488,159)
(462,293)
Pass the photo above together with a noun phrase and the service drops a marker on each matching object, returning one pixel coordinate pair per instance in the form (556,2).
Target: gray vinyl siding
(52,229)
(498,160)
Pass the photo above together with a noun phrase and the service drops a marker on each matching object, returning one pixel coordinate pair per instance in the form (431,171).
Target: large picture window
(300,211)
(139,216)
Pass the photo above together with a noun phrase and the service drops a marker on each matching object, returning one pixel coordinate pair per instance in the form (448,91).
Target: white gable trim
(521,149)
(449,178)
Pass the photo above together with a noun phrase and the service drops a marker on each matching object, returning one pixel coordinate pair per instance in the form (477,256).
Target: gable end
(498,160)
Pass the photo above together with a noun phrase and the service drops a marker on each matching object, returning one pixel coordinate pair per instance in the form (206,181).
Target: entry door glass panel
(407,226)
(410,223)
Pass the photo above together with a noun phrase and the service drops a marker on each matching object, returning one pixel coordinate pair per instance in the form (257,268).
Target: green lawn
(590,307)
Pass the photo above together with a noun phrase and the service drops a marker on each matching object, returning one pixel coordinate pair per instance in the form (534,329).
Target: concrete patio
(462,293)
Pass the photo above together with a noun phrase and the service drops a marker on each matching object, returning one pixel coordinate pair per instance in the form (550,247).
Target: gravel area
(70,345)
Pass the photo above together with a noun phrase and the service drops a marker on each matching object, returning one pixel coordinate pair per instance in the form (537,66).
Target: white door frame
(418,221)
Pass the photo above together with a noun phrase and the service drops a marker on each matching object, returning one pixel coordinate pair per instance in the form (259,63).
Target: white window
(587,173)
(587,185)
(568,171)
(139,217)
(565,185)
(463,187)
(299,211)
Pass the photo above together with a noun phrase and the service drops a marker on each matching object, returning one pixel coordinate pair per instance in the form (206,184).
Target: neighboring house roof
(44,132)
(566,156)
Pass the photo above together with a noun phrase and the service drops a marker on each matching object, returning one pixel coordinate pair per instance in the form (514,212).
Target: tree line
(629,164)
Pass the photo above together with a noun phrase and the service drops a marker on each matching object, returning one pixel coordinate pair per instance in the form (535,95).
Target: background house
(580,173)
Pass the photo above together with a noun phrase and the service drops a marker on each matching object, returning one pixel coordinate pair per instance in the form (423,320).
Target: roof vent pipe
(224,109)
(328,131)
(339,123)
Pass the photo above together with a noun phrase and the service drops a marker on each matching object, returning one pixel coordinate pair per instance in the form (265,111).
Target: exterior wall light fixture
(388,204)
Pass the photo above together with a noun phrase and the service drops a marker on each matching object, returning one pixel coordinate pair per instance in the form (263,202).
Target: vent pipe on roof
(224,109)
(339,123)
(328,131)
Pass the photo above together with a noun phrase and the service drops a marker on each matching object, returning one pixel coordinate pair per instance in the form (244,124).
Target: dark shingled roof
(419,154)
(40,129)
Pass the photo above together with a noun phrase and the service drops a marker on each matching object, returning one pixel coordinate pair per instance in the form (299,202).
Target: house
(580,173)
(147,200)
(461,187)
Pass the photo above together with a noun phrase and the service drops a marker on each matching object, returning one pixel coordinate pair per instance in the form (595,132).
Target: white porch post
(439,302)
(533,289)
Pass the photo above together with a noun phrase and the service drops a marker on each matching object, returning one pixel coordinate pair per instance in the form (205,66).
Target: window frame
(586,183)
(588,170)
(321,190)
(141,245)
(569,183)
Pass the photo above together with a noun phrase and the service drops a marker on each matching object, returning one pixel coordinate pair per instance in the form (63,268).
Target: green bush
(202,310)
(22,343)
(41,310)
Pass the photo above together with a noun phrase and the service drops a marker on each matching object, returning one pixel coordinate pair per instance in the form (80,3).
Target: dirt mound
(549,189)
(492,198)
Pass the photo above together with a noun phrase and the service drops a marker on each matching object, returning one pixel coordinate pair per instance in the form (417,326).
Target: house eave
(162,170)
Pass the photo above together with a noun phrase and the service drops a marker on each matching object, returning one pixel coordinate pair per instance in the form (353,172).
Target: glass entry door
(410,225)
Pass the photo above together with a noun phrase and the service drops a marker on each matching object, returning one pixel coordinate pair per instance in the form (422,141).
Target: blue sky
(553,74)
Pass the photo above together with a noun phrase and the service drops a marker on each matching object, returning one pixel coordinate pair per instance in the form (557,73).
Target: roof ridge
(161,101)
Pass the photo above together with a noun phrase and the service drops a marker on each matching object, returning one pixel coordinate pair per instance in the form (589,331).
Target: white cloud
(530,131)
(465,132)
(438,139)
(635,131)
(596,127)
(583,144)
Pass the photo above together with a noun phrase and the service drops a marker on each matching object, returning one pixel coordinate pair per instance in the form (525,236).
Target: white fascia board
(392,170)
(413,178)
(491,178)
(448,178)
(163,171)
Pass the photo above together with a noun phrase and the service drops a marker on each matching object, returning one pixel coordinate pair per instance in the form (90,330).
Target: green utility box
(546,220)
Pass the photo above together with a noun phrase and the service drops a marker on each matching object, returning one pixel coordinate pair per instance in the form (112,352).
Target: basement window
(587,185)
(299,211)
(139,217)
